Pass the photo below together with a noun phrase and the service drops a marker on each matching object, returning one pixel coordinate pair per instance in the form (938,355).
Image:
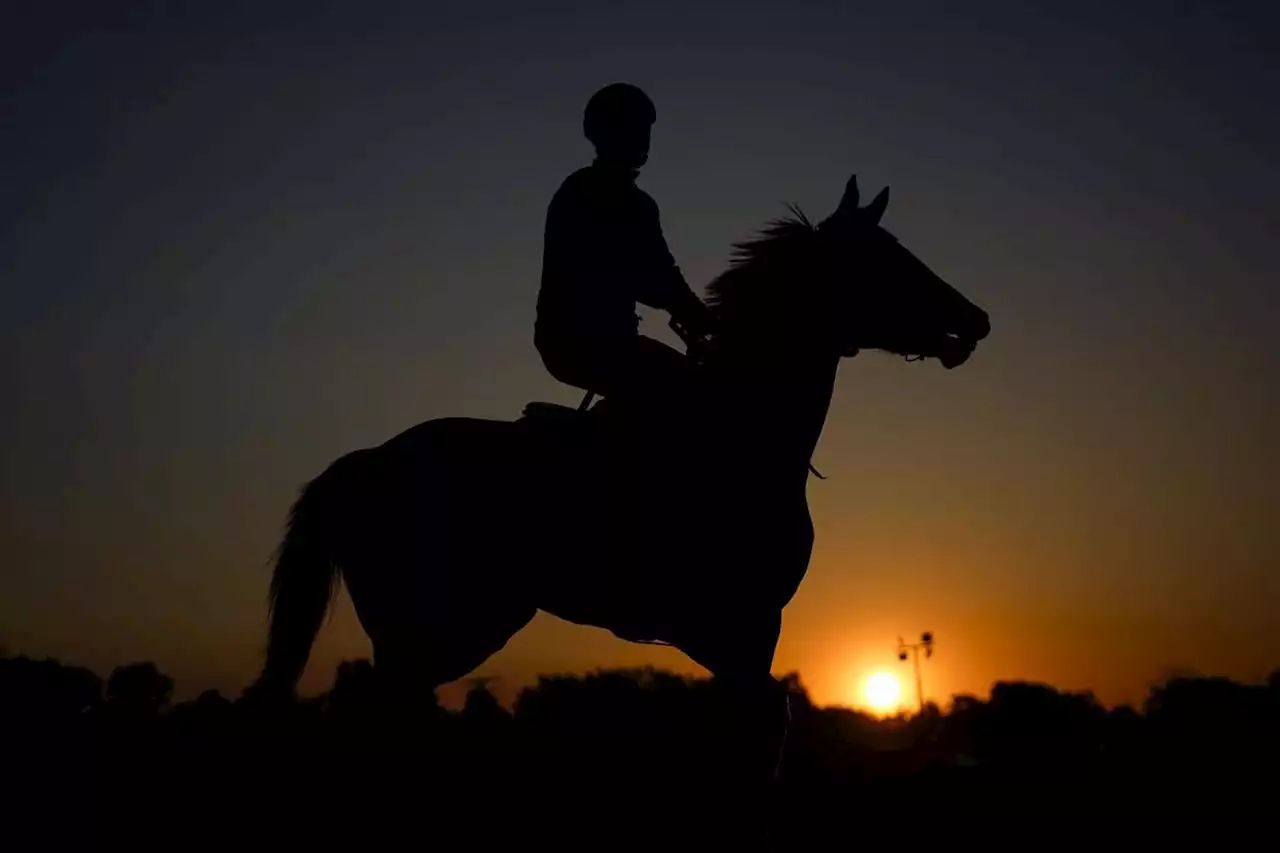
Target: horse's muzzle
(955,352)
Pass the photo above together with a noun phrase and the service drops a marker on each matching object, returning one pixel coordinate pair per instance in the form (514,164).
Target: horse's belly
(645,563)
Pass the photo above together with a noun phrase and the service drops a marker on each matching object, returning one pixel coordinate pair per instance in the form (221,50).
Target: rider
(604,251)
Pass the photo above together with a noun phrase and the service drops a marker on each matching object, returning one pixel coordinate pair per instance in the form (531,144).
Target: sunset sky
(239,239)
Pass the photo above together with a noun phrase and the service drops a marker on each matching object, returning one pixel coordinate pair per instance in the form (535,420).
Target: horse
(696,534)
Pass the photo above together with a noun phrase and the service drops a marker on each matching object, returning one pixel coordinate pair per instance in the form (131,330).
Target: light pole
(926,643)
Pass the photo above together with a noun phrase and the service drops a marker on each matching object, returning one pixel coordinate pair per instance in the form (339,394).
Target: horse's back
(463,459)
(452,432)
(459,506)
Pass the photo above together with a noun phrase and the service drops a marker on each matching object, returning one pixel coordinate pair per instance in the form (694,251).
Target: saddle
(598,428)
(582,440)
(562,423)
(537,412)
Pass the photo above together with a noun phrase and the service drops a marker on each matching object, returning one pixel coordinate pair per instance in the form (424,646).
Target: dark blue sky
(239,239)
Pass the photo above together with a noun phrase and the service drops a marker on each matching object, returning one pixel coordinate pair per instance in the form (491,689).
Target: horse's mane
(752,261)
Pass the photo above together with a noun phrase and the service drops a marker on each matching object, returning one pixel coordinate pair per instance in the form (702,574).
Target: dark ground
(620,760)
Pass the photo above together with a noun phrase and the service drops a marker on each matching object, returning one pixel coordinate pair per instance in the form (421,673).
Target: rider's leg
(658,379)
(569,366)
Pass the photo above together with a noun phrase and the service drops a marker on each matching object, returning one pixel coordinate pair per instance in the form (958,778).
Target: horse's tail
(305,579)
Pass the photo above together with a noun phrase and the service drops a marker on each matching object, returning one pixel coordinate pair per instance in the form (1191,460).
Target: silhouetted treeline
(632,743)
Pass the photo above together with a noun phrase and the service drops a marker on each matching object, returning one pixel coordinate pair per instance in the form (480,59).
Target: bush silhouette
(568,738)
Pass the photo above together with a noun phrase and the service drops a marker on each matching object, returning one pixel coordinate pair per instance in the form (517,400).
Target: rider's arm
(574,255)
(664,287)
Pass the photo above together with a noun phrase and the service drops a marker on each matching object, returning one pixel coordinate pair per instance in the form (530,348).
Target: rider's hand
(694,320)
(696,345)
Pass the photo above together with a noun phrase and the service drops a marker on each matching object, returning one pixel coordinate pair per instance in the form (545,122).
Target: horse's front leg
(752,715)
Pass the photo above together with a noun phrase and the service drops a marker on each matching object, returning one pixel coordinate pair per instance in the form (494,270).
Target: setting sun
(882,691)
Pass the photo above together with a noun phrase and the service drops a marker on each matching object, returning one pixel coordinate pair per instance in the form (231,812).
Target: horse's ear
(849,201)
(875,210)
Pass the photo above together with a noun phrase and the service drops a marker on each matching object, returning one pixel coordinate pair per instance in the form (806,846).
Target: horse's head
(875,294)
(843,285)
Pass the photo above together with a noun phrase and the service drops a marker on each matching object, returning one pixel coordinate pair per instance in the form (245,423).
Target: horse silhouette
(689,527)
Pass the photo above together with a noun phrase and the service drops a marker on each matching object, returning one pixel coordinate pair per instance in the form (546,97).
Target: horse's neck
(780,403)
(801,391)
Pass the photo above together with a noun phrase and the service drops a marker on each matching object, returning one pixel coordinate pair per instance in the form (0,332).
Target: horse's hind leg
(416,655)
(427,629)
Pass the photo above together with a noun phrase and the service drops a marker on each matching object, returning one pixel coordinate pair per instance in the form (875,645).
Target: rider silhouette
(604,251)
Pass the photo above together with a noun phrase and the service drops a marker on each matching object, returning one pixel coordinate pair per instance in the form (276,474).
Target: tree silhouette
(45,692)
(139,690)
(482,708)
(629,734)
